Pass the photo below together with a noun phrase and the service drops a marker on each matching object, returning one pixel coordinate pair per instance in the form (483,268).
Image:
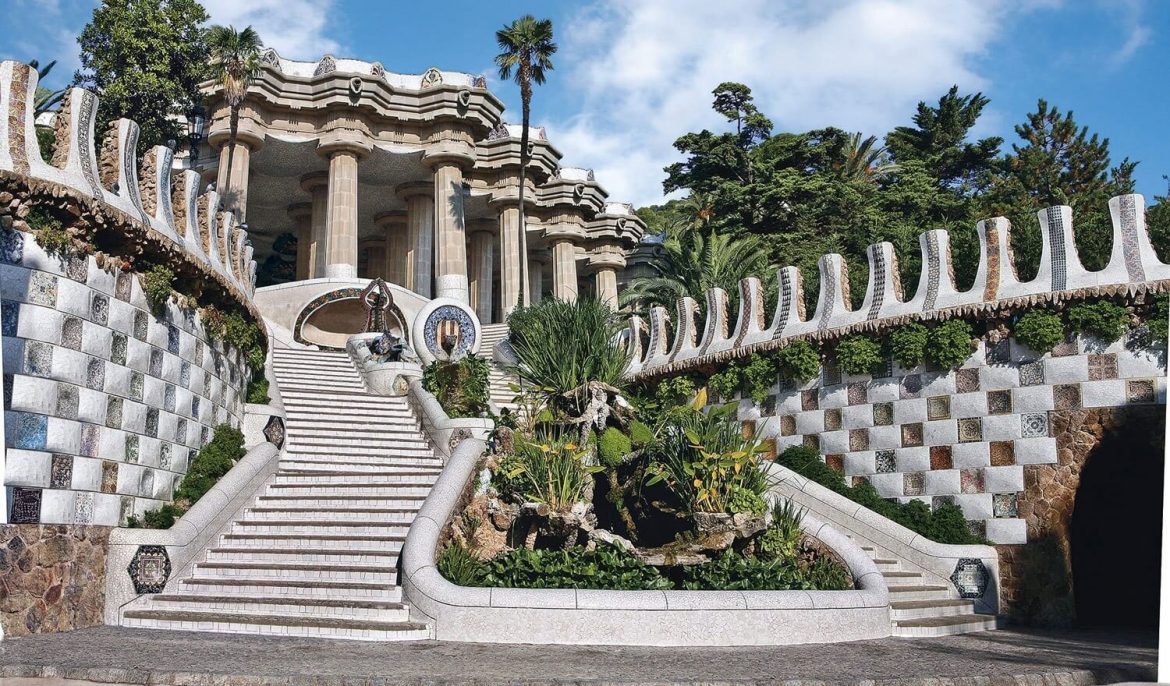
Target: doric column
(393,226)
(536,280)
(605,259)
(420,226)
(341,245)
(450,228)
(302,215)
(481,263)
(511,257)
(605,280)
(374,252)
(316,184)
(564,262)
(232,185)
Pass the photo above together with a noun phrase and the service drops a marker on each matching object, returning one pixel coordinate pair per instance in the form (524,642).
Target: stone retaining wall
(51,578)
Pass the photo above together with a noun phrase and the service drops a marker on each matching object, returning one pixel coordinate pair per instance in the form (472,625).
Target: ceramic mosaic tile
(140,325)
(1140,391)
(1032,373)
(198,359)
(185,382)
(809,400)
(9,317)
(11,246)
(77,268)
(61,471)
(910,387)
(172,339)
(858,480)
(83,508)
(152,422)
(146,483)
(38,359)
(970,429)
(787,422)
(99,309)
(858,439)
(1003,453)
(114,412)
(136,385)
(940,457)
(90,439)
(164,456)
(940,500)
(858,393)
(156,362)
(769,446)
(169,401)
(109,476)
(767,408)
(67,400)
(26,506)
(125,509)
(131,455)
(977,527)
(195,414)
(971,481)
(1034,424)
(830,373)
(1066,396)
(836,463)
(911,435)
(42,289)
(999,402)
(71,333)
(122,286)
(883,414)
(913,483)
(884,462)
(1102,367)
(95,374)
(205,435)
(966,380)
(832,419)
(1005,505)
(118,348)
(811,441)
(1065,348)
(938,407)
(8,381)
(885,369)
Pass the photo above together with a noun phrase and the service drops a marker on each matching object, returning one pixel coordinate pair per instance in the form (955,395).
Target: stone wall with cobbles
(52,578)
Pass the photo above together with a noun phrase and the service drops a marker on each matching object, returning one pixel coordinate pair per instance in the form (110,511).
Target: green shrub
(1039,330)
(258,390)
(732,572)
(1104,320)
(799,360)
(460,566)
(551,471)
(213,460)
(605,568)
(612,446)
(214,322)
(158,283)
(950,344)
(1157,321)
(50,233)
(726,383)
(826,574)
(781,539)
(640,434)
(461,387)
(858,354)
(46,141)
(744,501)
(675,390)
(158,518)
(758,376)
(908,344)
(945,524)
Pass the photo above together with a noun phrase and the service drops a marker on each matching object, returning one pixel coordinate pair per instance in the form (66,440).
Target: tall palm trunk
(234,124)
(525,103)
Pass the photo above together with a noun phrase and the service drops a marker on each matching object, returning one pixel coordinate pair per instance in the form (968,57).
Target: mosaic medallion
(26,506)
(911,435)
(913,483)
(1002,453)
(970,429)
(1102,367)
(150,569)
(1005,505)
(449,332)
(938,407)
(274,431)
(971,481)
(858,439)
(970,578)
(77,268)
(1034,425)
(1066,396)
(884,462)
(99,309)
(966,380)
(42,289)
(941,457)
(122,286)
(858,393)
(883,414)
(832,419)
(999,402)
(1032,373)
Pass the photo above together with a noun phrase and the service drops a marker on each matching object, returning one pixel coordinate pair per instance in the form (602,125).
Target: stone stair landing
(316,552)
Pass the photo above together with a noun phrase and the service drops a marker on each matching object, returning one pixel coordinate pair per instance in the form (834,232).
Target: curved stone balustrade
(145,193)
(673,346)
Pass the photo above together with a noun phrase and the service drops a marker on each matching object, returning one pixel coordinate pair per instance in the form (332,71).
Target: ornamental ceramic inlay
(999,402)
(832,419)
(431,78)
(67,400)
(1130,249)
(913,483)
(11,246)
(1056,238)
(1005,505)
(884,462)
(970,578)
(9,317)
(445,321)
(877,253)
(1032,373)
(18,104)
(150,569)
(274,431)
(785,303)
(61,471)
(966,380)
(830,292)
(1034,425)
(883,414)
(970,429)
(1002,453)
(84,126)
(932,270)
(26,506)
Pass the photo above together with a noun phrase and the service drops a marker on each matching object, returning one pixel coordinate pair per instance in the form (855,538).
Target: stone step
(284,625)
(327,368)
(899,593)
(383,558)
(390,427)
(304,443)
(390,476)
(894,578)
(315,396)
(309,527)
(926,609)
(358,492)
(410,502)
(378,515)
(400,456)
(318,386)
(944,626)
(292,588)
(333,608)
(343,542)
(338,465)
(293,571)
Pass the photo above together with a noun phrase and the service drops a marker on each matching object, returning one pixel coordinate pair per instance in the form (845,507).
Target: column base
(452,286)
(340,271)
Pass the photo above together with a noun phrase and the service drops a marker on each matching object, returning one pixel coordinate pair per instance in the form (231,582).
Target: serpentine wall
(106,399)
(965,435)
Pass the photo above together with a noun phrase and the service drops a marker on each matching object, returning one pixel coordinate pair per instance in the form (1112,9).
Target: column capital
(343,142)
(411,189)
(253,139)
(390,218)
(314,180)
(460,156)
(488,225)
(300,210)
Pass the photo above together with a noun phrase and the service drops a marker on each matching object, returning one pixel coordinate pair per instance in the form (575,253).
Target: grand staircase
(316,553)
(499,382)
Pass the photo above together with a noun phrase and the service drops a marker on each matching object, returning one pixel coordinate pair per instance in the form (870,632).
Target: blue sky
(632,75)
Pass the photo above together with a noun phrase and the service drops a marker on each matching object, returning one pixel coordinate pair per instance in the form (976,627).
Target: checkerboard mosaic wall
(959,436)
(105,404)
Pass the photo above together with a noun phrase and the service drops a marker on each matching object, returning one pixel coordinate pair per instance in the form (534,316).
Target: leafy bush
(781,539)
(158,518)
(51,234)
(744,501)
(908,344)
(758,375)
(726,383)
(612,446)
(1039,330)
(732,572)
(675,390)
(460,566)
(858,354)
(606,568)
(640,434)
(46,141)
(799,360)
(551,472)
(460,387)
(214,322)
(1157,321)
(950,344)
(158,283)
(258,390)
(945,524)
(213,460)
(1104,320)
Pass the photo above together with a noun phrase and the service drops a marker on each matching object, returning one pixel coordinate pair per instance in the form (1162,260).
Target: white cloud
(1130,14)
(646,68)
(296,28)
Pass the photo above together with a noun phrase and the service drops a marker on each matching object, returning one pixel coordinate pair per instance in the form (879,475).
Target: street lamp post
(196,120)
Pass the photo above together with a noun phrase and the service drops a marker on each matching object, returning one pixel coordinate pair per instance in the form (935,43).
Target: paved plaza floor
(135,656)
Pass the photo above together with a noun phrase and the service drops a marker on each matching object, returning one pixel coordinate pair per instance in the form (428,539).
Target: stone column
(450,231)
(511,258)
(420,227)
(374,251)
(605,259)
(564,262)
(606,284)
(233,186)
(302,216)
(341,246)
(536,280)
(481,263)
(317,185)
(393,225)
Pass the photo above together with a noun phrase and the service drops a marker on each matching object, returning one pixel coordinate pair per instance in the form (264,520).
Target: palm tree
(526,46)
(235,61)
(45,100)
(865,160)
